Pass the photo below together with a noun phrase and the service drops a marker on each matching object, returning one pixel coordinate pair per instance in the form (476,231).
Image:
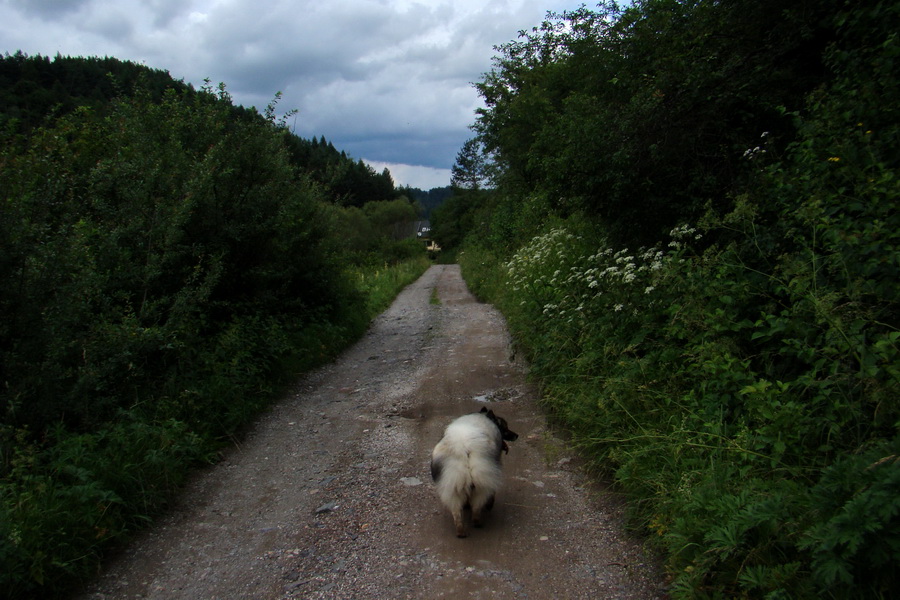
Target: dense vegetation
(31,88)
(35,87)
(428,199)
(168,262)
(691,224)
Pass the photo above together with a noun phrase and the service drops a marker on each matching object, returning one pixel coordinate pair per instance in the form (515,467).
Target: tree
(639,119)
(472,170)
(455,218)
(391,218)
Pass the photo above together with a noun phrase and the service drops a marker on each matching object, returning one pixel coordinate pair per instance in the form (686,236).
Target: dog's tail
(472,481)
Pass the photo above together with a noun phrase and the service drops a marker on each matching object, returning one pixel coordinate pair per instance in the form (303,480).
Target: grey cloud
(385,80)
(293,44)
(428,151)
(49,9)
(165,12)
(113,24)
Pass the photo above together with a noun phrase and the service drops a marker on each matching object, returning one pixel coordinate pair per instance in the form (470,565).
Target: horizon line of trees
(35,88)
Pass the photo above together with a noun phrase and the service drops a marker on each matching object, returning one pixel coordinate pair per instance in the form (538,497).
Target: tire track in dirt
(330,494)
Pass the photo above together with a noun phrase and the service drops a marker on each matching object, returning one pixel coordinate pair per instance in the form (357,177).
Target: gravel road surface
(330,494)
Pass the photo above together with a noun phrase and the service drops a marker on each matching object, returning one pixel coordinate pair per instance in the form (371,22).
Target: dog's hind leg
(457,505)
(476,518)
(478,515)
(459,521)
(480,503)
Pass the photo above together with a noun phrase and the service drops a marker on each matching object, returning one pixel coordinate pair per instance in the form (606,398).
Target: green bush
(740,379)
(166,271)
(143,243)
(722,421)
(382,284)
(64,501)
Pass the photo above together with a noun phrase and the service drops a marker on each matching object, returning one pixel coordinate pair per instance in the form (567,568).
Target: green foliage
(36,90)
(472,170)
(428,200)
(715,423)
(392,218)
(61,505)
(382,284)
(640,116)
(855,541)
(378,232)
(35,87)
(166,269)
(740,379)
(347,182)
(139,237)
(452,220)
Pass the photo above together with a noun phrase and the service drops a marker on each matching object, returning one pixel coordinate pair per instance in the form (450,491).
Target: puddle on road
(501,395)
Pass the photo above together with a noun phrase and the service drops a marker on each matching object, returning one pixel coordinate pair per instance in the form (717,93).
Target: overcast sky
(388,81)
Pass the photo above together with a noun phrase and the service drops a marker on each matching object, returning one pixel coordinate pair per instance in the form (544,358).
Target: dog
(465,465)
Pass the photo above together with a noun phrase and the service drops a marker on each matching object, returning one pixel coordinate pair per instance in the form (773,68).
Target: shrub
(741,387)
(165,271)
(62,503)
(725,420)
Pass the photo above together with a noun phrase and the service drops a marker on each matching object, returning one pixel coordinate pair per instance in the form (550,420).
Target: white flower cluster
(530,267)
(682,233)
(561,283)
(758,151)
(752,153)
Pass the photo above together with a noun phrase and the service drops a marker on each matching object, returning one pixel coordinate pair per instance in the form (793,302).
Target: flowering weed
(573,292)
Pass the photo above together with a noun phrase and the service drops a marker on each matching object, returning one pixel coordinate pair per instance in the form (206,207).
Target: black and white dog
(465,464)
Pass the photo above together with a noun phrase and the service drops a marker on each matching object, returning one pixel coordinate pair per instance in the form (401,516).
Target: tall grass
(381,284)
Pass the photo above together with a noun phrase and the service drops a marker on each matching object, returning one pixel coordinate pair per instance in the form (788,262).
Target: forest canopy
(34,89)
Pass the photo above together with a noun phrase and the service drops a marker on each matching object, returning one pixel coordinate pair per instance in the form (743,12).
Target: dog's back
(466,459)
(465,464)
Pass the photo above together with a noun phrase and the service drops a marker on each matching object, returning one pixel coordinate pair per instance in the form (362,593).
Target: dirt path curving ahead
(330,495)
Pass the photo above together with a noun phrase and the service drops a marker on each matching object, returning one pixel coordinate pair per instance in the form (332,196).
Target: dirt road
(330,495)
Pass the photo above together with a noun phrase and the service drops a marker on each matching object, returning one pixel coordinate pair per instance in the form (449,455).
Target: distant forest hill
(428,200)
(35,89)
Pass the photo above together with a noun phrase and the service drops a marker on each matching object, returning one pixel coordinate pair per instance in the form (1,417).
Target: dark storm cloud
(388,81)
(48,9)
